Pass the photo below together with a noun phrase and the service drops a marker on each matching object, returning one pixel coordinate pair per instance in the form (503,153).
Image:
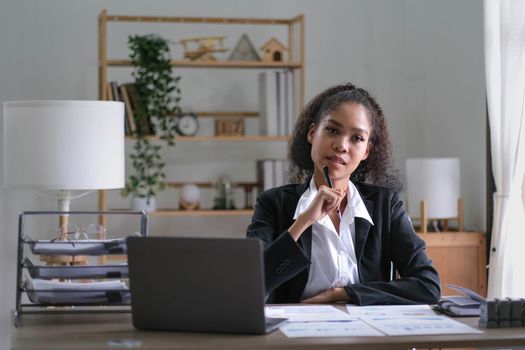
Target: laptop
(198,285)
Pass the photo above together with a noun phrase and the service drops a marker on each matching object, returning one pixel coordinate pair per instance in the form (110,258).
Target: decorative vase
(143,203)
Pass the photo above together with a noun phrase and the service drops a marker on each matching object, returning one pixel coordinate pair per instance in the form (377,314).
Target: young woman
(326,244)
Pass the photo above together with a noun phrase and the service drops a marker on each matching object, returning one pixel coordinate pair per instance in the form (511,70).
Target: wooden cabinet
(293,62)
(460,258)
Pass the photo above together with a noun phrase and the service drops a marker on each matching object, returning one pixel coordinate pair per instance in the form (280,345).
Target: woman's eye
(359,138)
(331,131)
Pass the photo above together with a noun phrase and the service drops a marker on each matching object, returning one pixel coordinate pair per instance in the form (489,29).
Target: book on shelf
(128,110)
(276,103)
(117,96)
(289,105)
(271,173)
(267,104)
(109,93)
(135,118)
(113,85)
(144,126)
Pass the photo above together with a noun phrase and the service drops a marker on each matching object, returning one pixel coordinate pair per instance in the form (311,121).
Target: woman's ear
(311,132)
(367,153)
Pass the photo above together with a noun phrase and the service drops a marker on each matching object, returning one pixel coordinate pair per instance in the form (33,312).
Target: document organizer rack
(66,288)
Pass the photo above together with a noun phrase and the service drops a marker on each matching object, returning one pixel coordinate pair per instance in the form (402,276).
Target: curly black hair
(377,168)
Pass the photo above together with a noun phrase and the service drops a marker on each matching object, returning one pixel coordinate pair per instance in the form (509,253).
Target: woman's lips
(337,160)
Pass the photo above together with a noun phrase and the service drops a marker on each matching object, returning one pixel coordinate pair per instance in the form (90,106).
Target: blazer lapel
(362,228)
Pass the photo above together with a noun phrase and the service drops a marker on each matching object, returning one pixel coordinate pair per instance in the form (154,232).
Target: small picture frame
(229,127)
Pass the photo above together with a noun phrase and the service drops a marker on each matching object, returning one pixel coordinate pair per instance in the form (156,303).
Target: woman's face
(340,141)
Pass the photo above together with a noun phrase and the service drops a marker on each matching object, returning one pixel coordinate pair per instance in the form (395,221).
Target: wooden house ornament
(273,51)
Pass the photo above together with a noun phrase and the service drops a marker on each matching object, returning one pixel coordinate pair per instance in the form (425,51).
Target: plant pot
(143,203)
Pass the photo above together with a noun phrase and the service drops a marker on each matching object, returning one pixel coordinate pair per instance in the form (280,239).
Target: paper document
(304,313)
(79,247)
(45,285)
(56,292)
(355,327)
(76,271)
(390,310)
(418,325)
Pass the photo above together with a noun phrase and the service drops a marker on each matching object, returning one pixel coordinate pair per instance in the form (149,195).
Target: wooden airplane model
(207,45)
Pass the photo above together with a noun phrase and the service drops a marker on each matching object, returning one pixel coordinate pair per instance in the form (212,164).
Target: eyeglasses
(73,232)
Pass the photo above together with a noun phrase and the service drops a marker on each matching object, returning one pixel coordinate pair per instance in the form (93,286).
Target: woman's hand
(326,200)
(332,295)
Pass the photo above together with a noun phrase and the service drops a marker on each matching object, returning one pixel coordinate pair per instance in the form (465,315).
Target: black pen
(329,182)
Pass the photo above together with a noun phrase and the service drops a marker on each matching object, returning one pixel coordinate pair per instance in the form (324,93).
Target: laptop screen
(197,284)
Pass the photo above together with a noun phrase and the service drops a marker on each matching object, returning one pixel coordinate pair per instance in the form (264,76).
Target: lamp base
(425,219)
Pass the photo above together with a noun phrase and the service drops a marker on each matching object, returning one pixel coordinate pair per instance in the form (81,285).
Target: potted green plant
(159,96)
(148,176)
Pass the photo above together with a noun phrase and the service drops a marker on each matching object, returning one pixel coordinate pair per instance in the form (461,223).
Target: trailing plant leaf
(158,89)
(148,177)
(159,94)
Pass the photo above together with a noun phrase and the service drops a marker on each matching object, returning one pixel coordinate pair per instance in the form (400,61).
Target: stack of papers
(365,321)
(79,247)
(76,271)
(56,292)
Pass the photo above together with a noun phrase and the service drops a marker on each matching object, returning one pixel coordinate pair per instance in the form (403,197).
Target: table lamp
(433,191)
(63,146)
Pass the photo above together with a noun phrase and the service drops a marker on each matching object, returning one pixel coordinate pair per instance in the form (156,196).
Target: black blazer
(391,239)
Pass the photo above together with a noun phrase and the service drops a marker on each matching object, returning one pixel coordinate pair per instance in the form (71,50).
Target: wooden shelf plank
(200,212)
(176,212)
(177,184)
(227,114)
(215,64)
(216,20)
(221,138)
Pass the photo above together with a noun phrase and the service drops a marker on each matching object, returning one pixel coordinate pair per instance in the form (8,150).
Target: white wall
(421,58)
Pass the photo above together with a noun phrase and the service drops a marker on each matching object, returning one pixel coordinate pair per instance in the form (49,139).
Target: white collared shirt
(334,262)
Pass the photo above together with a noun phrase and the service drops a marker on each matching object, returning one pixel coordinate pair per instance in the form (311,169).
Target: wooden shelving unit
(294,63)
(216,64)
(248,138)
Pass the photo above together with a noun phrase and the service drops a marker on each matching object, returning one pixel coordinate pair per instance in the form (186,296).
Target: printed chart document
(347,328)
(306,313)
(319,321)
(408,320)
(418,325)
(390,310)
(392,320)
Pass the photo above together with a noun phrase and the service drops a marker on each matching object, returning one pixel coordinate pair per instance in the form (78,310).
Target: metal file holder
(114,301)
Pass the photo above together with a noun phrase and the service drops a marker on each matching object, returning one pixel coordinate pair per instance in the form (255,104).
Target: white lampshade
(435,180)
(64,145)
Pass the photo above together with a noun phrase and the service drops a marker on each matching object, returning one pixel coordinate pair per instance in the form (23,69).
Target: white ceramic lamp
(433,189)
(64,146)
